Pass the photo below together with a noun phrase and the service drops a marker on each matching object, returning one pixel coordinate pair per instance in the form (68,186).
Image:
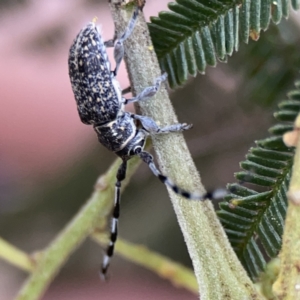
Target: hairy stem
(218,271)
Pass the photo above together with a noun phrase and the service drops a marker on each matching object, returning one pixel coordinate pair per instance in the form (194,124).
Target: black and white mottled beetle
(100,103)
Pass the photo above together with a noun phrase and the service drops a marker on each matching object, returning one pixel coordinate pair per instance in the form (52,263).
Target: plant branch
(176,273)
(15,256)
(287,286)
(267,279)
(97,208)
(218,271)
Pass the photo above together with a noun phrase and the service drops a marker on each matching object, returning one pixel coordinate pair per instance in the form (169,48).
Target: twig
(95,210)
(218,271)
(176,273)
(15,256)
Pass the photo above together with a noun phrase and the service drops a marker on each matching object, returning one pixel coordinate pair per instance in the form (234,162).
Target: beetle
(100,103)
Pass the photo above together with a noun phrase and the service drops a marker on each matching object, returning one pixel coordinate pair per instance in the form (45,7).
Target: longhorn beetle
(100,103)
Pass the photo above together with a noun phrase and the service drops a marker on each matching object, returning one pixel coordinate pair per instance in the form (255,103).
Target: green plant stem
(176,273)
(267,279)
(218,271)
(16,257)
(96,209)
(287,286)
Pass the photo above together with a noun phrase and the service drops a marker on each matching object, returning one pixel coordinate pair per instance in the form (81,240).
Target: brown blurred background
(49,160)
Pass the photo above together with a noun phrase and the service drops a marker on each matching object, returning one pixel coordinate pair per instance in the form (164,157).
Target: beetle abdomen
(98,99)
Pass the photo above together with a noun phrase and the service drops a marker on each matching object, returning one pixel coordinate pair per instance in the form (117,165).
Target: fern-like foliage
(254,220)
(197,33)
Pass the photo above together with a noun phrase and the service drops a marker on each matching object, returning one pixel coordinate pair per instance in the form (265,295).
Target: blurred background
(49,160)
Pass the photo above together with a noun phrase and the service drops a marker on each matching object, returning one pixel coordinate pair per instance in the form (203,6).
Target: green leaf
(253,218)
(197,33)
